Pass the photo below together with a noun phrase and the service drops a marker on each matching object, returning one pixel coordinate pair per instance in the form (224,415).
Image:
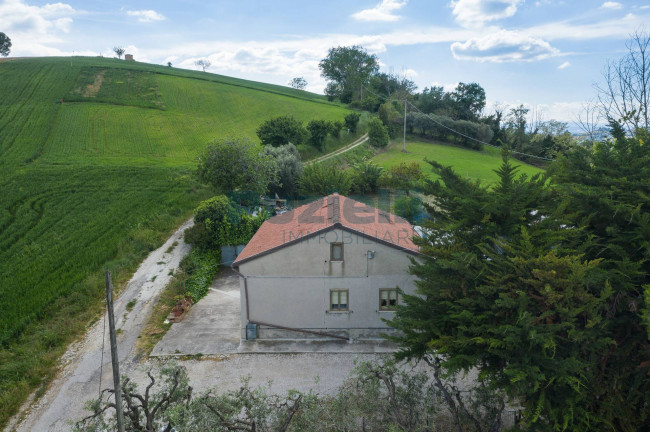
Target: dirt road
(79,379)
(362,139)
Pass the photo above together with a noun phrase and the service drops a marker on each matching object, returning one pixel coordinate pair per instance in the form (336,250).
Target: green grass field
(468,163)
(96,160)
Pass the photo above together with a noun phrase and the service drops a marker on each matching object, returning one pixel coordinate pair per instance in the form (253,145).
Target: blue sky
(546,54)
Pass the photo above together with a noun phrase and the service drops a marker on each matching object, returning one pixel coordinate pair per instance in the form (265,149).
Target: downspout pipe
(249,321)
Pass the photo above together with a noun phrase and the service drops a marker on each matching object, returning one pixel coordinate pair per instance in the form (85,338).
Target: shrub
(323,180)
(216,208)
(201,266)
(281,130)
(335,128)
(365,177)
(351,121)
(318,130)
(404,176)
(408,207)
(290,169)
(199,237)
(219,222)
(377,133)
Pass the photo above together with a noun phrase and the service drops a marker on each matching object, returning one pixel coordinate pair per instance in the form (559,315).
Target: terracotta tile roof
(332,211)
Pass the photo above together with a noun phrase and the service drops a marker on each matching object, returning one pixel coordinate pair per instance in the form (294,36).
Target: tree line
(455,116)
(283,130)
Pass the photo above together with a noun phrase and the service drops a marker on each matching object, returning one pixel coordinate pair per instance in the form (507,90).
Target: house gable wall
(291,286)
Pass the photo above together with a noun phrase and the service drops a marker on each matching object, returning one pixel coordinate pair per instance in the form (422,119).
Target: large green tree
(236,164)
(514,284)
(5,45)
(607,195)
(468,100)
(348,69)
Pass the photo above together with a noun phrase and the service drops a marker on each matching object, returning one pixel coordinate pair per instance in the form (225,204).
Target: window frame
(332,252)
(388,308)
(347,294)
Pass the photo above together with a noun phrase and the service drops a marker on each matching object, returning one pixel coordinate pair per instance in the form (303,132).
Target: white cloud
(503,46)
(561,111)
(471,13)
(34,29)
(17,17)
(146,15)
(410,73)
(564,65)
(568,29)
(448,87)
(384,11)
(645,7)
(611,5)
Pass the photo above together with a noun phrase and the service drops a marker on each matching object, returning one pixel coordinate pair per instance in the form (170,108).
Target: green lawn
(471,164)
(96,160)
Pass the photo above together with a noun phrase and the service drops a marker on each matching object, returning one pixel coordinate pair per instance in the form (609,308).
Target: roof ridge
(334,211)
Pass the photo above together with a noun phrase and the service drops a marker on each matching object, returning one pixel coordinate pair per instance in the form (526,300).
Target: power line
(479,141)
(453,130)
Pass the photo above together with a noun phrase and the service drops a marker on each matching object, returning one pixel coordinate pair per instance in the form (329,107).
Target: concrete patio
(212,328)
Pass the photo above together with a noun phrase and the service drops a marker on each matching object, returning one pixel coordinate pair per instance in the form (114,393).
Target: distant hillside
(90,109)
(95,171)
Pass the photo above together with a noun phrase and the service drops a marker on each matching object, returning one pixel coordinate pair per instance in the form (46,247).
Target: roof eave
(336,225)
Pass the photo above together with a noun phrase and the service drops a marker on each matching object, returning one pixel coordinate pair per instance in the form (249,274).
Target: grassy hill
(95,171)
(472,164)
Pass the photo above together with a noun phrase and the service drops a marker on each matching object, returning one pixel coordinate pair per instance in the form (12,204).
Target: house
(326,269)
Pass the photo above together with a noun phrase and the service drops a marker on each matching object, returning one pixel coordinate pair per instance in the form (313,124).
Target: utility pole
(404,142)
(114,358)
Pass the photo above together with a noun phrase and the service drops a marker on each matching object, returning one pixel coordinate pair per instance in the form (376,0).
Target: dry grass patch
(157,324)
(92,89)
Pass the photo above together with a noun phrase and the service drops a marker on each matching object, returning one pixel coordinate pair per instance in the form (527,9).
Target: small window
(336,252)
(339,300)
(387,299)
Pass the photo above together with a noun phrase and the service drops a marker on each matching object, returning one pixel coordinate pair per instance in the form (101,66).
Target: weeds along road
(79,374)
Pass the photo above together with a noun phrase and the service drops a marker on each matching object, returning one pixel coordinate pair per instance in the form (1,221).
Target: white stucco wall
(291,286)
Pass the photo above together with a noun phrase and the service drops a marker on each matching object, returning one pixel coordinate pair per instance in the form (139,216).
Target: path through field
(362,139)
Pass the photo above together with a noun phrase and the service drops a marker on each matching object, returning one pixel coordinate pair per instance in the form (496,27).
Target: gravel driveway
(211,328)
